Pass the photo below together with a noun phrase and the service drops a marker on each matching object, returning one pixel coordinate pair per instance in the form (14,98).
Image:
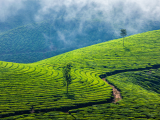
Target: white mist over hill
(51,27)
(132,15)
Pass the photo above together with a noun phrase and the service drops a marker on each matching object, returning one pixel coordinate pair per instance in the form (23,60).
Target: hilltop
(38,88)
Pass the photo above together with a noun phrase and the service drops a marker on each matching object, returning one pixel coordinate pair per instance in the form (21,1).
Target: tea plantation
(36,90)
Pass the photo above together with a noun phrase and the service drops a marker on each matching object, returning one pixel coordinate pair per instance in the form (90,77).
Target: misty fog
(70,24)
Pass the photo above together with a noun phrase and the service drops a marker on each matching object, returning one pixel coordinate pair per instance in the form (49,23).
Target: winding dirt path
(116,93)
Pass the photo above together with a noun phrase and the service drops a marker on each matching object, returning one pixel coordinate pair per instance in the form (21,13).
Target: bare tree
(123,33)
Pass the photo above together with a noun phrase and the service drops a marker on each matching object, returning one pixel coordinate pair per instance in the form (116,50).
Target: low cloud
(129,14)
(10,8)
(132,15)
(62,36)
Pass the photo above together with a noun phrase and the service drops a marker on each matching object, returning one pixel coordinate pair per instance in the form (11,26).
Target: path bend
(116,92)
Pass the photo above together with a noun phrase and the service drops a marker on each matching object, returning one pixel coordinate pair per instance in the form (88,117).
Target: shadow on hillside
(70,96)
(126,49)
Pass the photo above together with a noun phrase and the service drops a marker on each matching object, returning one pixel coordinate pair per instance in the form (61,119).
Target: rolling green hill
(133,69)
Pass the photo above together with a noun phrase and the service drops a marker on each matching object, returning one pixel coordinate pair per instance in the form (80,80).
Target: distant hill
(36,90)
(34,42)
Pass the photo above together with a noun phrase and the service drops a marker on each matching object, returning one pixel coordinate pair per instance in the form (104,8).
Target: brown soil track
(116,93)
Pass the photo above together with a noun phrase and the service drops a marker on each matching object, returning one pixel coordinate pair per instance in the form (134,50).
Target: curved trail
(116,93)
(127,70)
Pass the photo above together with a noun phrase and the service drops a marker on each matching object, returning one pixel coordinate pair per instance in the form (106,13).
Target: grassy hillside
(39,86)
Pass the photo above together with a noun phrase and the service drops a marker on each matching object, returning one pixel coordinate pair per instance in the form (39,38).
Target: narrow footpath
(116,93)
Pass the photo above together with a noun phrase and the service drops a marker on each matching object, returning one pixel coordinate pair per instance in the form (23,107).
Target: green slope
(40,84)
(140,50)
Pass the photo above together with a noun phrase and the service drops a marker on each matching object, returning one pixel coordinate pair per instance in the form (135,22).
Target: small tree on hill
(123,33)
(67,75)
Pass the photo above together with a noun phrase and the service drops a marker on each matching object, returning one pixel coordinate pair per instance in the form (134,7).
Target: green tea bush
(40,84)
